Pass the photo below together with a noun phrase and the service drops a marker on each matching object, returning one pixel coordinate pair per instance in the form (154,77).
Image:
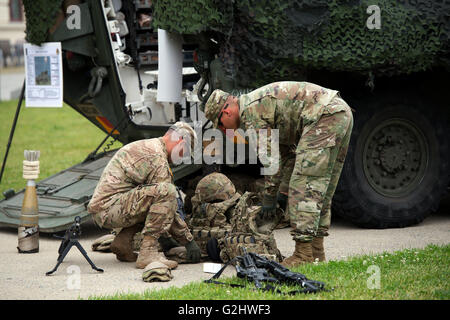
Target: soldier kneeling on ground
(137,188)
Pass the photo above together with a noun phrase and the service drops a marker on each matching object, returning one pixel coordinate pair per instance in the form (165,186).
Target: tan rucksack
(223,221)
(245,232)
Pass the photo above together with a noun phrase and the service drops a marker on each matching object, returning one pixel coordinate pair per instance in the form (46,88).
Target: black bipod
(71,239)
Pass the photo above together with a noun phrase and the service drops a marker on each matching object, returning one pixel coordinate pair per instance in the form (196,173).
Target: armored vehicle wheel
(397,166)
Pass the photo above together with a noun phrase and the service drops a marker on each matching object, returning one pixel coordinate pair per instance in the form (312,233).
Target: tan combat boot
(302,254)
(122,245)
(317,249)
(149,253)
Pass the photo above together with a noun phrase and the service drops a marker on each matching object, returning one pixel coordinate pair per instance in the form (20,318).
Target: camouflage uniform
(314,126)
(137,187)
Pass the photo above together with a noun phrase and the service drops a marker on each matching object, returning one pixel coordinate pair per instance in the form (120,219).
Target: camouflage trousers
(319,159)
(154,205)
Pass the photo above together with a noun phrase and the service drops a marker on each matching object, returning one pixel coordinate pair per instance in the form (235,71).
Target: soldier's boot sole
(122,245)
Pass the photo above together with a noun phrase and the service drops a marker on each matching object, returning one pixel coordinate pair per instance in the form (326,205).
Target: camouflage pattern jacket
(291,107)
(138,163)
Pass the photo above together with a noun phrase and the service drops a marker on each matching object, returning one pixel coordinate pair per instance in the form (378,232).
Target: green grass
(63,136)
(407,274)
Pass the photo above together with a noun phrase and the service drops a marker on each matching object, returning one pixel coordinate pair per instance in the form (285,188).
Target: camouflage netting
(40,16)
(194,16)
(275,39)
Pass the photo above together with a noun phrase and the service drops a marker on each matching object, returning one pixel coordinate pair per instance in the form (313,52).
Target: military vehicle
(389,59)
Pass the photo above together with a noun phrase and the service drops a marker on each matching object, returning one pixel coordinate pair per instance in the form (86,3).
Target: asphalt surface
(22,276)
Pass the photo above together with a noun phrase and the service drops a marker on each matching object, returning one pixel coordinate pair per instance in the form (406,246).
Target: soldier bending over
(314,126)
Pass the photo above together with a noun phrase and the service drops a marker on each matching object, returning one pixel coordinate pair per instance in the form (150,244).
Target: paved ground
(22,276)
(11,81)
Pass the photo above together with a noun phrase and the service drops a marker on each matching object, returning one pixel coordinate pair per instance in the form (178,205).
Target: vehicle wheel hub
(395,157)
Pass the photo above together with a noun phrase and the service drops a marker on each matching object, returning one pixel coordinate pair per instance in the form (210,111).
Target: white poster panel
(43,75)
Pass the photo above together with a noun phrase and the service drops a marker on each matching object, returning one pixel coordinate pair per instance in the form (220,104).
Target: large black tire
(397,166)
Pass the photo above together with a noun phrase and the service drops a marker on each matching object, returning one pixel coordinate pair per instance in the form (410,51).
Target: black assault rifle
(284,275)
(248,269)
(258,269)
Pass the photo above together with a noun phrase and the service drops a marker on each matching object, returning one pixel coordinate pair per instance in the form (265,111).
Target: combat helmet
(212,207)
(215,187)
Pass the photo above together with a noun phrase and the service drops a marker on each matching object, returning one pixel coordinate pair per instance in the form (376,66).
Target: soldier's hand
(193,252)
(168,243)
(267,217)
(282,200)
(269,207)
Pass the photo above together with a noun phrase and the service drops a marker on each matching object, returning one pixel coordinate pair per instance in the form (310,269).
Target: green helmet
(215,187)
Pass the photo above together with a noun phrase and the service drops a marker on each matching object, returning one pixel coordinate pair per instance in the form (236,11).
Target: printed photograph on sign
(42,71)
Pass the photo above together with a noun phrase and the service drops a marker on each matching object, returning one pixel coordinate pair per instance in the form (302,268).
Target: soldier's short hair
(186,131)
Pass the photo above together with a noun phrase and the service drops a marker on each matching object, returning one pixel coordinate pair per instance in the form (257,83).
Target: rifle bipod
(258,269)
(69,240)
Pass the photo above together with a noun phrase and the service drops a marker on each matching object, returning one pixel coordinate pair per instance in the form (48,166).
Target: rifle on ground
(284,275)
(248,269)
(258,269)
